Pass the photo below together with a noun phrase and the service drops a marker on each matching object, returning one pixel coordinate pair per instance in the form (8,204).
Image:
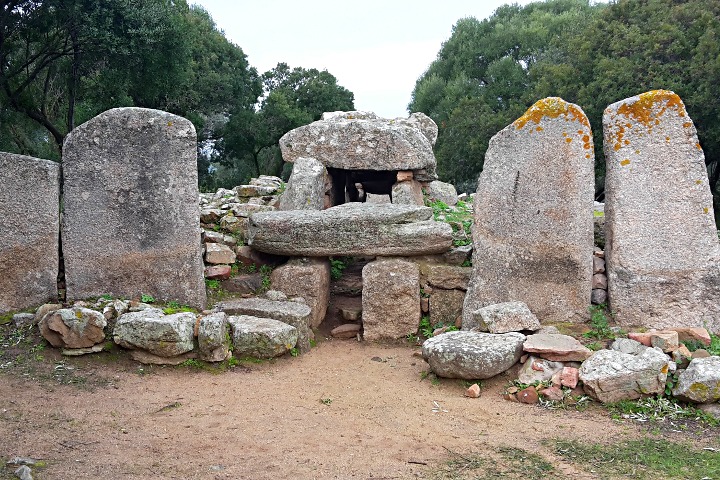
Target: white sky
(375,48)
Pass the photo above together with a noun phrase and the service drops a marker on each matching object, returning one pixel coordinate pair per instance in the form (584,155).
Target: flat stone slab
(663,256)
(610,376)
(350,229)
(390,299)
(296,314)
(556,347)
(261,337)
(362,141)
(29,231)
(700,382)
(504,317)
(159,334)
(472,355)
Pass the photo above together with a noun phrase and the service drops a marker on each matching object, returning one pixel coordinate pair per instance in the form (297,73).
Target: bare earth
(344,410)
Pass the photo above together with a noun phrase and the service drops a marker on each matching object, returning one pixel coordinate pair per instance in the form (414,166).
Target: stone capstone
(351,141)
(261,337)
(610,376)
(75,327)
(557,347)
(503,318)
(472,355)
(390,299)
(700,382)
(350,229)
(213,337)
(29,231)
(308,278)
(296,314)
(153,331)
(305,189)
(663,257)
(532,230)
(131,219)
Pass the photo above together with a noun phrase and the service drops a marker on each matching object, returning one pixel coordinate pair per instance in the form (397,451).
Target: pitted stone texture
(131,222)
(305,189)
(472,355)
(296,314)
(157,333)
(407,193)
(503,318)
(74,327)
(390,299)
(532,232)
(308,278)
(556,347)
(213,338)
(446,307)
(663,258)
(700,382)
(29,231)
(445,192)
(610,376)
(352,141)
(426,125)
(350,229)
(261,337)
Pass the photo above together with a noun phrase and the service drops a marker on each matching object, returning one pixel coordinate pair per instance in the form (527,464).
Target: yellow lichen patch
(564,134)
(698,182)
(637,152)
(617,147)
(626,142)
(664,369)
(587,156)
(580,132)
(697,145)
(687,124)
(667,139)
(170,124)
(651,105)
(625,162)
(539,129)
(551,107)
(568,140)
(706,210)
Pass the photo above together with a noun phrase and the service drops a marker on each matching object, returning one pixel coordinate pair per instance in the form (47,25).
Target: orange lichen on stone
(568,140)
(652,105)
(617,147)
(667,139)
(698,146)
(687,124)
(625,162)
(552,107)
(539,129)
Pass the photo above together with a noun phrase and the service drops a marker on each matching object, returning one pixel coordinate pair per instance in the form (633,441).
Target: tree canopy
(489,72)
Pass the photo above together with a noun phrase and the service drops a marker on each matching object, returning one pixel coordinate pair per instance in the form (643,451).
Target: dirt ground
(346,409)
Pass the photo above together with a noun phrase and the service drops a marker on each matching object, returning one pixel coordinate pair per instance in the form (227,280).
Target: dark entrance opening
(354,185)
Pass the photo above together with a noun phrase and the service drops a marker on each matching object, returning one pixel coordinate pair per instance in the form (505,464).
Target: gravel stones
(472,355)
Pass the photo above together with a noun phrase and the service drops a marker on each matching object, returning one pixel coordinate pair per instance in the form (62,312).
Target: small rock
(598,264)
(552,393)
(276,296)
(24,473)
(528,395)
(665,341)
(218,272)
(700,353)
(712,409)
(555,347)
(510,397)
(425,304)
(346,331)
(473,391)
(700,382)
(552,329)
(538,369)
(506,317)
(698,334)
(598,296)
(628,345)
(351,314)
(219,254)
(642,337)
(599,281)
(77,352)
(682,356)
(569,377)
(23,319)
(45,309)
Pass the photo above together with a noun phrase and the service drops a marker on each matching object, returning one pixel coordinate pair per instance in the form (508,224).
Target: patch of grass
(212,284)
(337,266)
(265,271)
(193,363)
(714,348)
(426,329)
(595,346)
(645,458)
(326,401)
(659,409)
(459,217)
(175,307)
(147,298)
(600,327)
(496,462)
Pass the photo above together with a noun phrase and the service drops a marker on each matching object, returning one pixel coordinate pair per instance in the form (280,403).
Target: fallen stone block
(557,347)
(390,299)
(74,327)
(308,278)
(153,331)
(261,337)
(700,382)
(503,318)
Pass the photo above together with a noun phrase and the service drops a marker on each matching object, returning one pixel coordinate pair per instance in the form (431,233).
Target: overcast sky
(375,48)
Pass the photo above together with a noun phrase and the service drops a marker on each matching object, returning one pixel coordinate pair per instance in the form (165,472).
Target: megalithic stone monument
(533,226)
(662,248)
(131,222)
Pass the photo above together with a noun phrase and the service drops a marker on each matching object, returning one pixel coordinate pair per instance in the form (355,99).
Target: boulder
(700,382)
(306,187)
(352,141)
(503,318)
(131,219)
(29,231)
(444,192)
(407,193)
(532,231)
(390,299)
(213,337)
(663,257)
(350,229)
(308,278)
(298,315)
(157,333)
(557,347)
(472,355)
(75,327)
(261,337)
(697,334)
(610,376)
(43,310)
(346,330)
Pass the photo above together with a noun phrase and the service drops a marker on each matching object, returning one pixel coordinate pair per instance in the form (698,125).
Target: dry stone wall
(131,221)
(29,229)
(662,248)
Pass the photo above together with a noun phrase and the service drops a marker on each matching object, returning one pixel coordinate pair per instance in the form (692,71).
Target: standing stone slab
(308,278)
(390,299)
(213,337)
(29,231)
(131,222)
(661,248)
(533,223)
(446,307)
(306,187)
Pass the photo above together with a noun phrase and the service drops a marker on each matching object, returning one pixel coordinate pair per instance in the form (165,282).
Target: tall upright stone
(533,215)
(29,231)
(306,186)
(131,222)
(661,246)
